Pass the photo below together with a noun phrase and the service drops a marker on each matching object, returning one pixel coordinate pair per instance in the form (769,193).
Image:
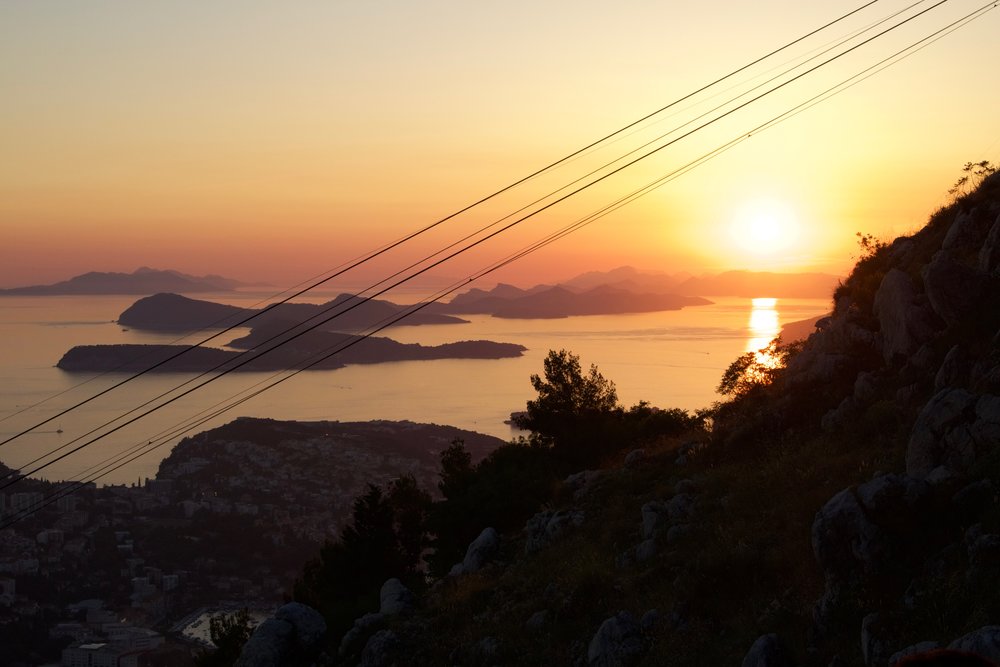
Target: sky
(273,141)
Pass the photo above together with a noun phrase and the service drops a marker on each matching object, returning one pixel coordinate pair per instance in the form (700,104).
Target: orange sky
(272,141)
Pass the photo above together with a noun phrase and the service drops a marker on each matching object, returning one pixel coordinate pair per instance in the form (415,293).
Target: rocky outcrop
(953,430)
(768,651)
(905,319)
(293,636)
(395,598)
(866,532)
(481,551)
(985,642)
(545,527)
(619,642)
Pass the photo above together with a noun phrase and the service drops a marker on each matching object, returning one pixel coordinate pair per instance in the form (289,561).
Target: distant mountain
(628,278)
(172,312)
(761,284)
(143,280)
(560,301)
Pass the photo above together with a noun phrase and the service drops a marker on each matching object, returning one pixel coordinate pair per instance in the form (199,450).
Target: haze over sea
(668,358)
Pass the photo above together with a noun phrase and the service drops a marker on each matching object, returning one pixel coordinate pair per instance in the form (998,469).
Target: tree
(229,632)
(754,370)
(566,394)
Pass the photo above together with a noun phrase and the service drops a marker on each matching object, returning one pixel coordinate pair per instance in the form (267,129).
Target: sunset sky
(273,141)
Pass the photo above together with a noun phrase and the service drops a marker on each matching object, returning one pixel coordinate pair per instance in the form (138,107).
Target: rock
(538,620)
(645,551)
(363,627)
(843,536)
(545,527)
(268,646)
(680,507)
(308,625)
(938,436)
(967,231)
(482,550)
(654,518)
(989,254)
(486,650)
(843,415)
(904,319)
(686,486)
(617,643)
(985,642)
(677,532)
(953,289)
(922,647)
(940,475)
(395,598)
(456,570)
(634,458)
(581,482)
(650,620)
(866,532)
(767,651)
(888,498)
(972,499)
(954,370)
(984,556)
(381,650)
(293,636)
(865,388)
(875,648)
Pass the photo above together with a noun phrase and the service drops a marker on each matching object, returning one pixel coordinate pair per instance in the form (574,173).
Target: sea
(668,358)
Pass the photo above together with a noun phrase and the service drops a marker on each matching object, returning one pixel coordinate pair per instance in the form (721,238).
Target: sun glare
(764,226)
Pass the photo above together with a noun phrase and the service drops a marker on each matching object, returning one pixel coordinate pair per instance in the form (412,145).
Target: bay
(668,358)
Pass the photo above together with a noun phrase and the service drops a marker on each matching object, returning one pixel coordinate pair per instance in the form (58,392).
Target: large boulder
(985,642)
(395,598)
(546,527)
(363,628)
(866,532)
(768,651)
(381,650)
(953,430)
(905,320)
(989,254)
(619,642)
(481,551)
(294,636)
(954,289)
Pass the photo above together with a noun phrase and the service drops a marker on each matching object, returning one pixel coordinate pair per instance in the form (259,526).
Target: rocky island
(308,349)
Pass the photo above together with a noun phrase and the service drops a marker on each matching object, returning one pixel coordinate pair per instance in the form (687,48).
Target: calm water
(671,359)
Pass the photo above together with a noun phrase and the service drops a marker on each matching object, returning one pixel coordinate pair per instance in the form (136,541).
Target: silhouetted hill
(142,281)
(373,350)
(172,312)
(841,510)
(761,284)
(545,302)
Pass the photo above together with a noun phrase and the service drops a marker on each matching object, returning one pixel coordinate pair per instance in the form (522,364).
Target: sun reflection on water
(764,325)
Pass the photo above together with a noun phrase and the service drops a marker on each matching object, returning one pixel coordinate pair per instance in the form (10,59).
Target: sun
(764,226)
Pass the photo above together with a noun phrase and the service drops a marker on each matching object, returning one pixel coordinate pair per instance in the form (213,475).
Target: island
(143,280)
(308,351)
(173,312)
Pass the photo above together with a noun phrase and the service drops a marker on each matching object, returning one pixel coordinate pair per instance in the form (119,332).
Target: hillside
(841,510)
(141,281)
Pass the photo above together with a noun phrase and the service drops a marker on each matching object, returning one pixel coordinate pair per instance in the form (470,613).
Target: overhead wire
(386,322)
(344,268)
(254,354)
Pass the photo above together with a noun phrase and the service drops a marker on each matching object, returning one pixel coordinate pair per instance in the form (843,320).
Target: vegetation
(973,175)
(229,632)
